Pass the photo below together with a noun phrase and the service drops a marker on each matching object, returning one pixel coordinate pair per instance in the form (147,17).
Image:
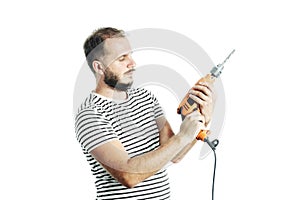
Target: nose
(131,63)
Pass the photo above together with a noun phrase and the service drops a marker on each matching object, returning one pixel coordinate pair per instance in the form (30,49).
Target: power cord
(213,145)
(213,182)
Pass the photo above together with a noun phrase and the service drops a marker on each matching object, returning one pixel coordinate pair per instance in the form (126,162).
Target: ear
(98,67)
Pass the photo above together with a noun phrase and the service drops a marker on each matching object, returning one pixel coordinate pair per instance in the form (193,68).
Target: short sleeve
(158,111)
(92,129)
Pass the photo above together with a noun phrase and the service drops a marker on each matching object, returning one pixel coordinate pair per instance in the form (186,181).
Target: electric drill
(188,105)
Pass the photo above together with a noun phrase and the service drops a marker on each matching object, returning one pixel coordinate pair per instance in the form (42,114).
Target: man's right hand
(191,126)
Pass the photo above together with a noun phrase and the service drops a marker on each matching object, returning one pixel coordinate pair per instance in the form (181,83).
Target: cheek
(119,68)
(113,73)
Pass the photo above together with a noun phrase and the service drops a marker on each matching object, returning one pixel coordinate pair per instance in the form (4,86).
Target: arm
(131,171)
(166,133)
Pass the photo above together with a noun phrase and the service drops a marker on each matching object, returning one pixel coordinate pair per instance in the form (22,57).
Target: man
(123,131)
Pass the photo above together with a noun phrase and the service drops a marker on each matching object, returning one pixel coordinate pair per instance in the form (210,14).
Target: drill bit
(228,57)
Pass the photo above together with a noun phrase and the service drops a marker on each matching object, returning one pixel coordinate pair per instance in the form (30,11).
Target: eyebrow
(125,54)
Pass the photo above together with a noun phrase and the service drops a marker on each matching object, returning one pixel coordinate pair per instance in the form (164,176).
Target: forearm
(157,159)
(183,152)
(134,170)
(186,149)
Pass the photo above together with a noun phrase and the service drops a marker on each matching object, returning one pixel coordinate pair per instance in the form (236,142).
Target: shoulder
(140,92)
(92,105)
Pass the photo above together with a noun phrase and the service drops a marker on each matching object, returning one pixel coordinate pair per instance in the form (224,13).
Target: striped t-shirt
(100,120)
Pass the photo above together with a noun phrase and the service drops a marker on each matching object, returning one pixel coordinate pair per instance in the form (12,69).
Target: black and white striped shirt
(100,120)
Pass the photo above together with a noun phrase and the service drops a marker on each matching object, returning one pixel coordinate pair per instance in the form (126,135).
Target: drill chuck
(217,70)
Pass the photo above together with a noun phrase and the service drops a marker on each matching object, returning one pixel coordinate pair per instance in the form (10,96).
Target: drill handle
(188,105)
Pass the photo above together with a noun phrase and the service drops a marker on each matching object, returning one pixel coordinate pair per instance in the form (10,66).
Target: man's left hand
(203,94)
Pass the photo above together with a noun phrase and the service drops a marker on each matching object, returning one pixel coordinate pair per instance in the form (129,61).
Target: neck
(112,93)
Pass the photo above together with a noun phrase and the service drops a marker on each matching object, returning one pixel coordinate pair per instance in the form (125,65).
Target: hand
(191,126)
(203,94)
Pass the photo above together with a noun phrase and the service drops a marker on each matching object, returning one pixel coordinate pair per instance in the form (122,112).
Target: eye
(121,58)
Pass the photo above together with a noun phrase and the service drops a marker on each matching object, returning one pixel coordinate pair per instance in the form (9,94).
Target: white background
(41,55)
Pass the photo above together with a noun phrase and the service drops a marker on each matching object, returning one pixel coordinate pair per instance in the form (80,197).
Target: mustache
(129,71)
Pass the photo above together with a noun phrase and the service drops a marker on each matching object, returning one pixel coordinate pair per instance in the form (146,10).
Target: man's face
(119,65)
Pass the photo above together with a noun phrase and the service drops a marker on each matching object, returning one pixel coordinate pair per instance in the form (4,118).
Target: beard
(112,80)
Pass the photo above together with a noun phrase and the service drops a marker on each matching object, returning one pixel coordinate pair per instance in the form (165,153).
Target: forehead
(116,46)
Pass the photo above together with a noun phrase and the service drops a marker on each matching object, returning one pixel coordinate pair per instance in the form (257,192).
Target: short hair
(92,48)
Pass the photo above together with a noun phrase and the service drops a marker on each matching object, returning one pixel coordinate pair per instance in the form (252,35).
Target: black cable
(213,144)
(213,183)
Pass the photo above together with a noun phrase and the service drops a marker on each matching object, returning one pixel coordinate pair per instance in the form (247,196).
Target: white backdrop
(41,55)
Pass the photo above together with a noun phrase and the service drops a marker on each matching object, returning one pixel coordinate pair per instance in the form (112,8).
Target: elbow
(176,161)
(129,180)
(129,184)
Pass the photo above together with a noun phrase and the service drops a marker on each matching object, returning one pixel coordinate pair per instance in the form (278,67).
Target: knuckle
(198,93)
(205,103)
(189,117)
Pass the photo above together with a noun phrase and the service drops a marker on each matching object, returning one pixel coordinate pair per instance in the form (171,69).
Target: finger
(196,116)
(194,113)
(203,89)
(200,95)
(205,84)
(198,100)
(208,132)
(201,118)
